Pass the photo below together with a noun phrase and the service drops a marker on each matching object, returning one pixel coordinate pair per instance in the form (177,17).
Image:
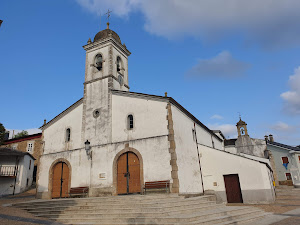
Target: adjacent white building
(113,141)
(16,171)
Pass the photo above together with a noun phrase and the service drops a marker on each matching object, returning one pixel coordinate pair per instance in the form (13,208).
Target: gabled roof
(228,142)
(220,132)
(170,100)
(24,138)
(12,152)
(62,113)
(287,147)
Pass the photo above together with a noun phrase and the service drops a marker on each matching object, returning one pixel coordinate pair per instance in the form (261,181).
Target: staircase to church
(142,209)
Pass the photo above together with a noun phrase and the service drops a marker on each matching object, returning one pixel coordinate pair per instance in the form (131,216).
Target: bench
(163,184)
(79,191)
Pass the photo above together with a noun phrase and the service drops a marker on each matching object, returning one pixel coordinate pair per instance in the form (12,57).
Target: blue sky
(216,58)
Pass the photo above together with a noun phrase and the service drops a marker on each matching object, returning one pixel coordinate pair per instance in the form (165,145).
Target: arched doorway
(60,180)
(128,174)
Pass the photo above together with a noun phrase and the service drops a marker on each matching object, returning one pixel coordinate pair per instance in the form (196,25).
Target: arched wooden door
(128,174)
(60,180)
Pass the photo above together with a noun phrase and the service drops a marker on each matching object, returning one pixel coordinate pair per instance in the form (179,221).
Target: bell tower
(106,68)
(242,128)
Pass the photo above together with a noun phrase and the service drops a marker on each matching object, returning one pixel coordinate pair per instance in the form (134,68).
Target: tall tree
(2,133)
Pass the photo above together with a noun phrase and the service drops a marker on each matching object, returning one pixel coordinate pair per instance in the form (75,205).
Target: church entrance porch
(60,180)
(128,174)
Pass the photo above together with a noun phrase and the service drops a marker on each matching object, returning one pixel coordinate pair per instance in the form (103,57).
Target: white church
(113,141)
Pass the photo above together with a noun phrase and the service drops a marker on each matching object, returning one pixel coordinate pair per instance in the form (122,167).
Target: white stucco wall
(186,150)
(55,134)
(155,157)
(231,149)
(149,118)
(255,181)
(80,168)
(85,172)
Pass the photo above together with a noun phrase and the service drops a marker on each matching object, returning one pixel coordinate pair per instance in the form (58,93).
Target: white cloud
(292,97)
(222,65)
(217,117)
(283,127)
(228,130)
(271,23)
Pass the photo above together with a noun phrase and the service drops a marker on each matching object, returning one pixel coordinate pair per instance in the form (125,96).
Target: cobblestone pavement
(15,216)
(287,200)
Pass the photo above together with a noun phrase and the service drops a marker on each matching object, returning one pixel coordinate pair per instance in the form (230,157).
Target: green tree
(23,133)
(2,133)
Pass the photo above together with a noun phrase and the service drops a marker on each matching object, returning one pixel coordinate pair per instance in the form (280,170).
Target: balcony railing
(8,171)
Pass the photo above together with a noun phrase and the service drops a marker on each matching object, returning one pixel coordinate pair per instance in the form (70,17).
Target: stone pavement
(15,216)
(286,209)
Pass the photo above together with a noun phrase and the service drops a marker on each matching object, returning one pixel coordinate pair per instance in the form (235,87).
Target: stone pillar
(172,150)
(272,162)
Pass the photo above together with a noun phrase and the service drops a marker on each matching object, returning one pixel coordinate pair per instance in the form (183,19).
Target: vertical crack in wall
(172,149)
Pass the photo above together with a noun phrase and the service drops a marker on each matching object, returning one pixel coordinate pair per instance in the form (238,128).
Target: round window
(96,113)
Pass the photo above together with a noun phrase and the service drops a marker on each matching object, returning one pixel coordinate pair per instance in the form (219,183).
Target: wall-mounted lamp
(88,148)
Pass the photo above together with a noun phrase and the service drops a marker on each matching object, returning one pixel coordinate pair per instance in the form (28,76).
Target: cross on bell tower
(108,15)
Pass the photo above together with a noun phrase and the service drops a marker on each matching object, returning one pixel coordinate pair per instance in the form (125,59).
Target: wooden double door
(233,188)
(128,173)
(60,180)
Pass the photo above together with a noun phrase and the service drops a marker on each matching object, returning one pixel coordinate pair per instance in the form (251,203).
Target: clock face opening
(120,80)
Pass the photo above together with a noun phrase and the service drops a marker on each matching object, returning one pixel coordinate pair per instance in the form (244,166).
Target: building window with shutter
(285,159)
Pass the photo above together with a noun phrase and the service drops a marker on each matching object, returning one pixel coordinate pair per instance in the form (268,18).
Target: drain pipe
(198,156)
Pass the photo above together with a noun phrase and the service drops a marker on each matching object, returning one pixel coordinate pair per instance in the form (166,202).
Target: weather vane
(240,115)
(108,14)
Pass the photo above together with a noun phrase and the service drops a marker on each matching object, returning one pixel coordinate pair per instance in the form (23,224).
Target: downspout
(16,174)
(199,157)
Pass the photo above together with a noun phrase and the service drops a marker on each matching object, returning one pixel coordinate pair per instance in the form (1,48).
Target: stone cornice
(107,40)
(101,78)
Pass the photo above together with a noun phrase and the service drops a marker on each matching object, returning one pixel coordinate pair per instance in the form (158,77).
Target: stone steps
(103,209)
(123,201)
(246,220)
(212,218)
(139,209)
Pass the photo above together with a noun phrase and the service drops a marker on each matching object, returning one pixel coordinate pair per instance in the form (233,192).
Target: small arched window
(98,61)
(118,64)
(130,122)
(68,135)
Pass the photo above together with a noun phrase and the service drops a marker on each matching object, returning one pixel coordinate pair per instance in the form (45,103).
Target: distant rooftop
(283,146)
